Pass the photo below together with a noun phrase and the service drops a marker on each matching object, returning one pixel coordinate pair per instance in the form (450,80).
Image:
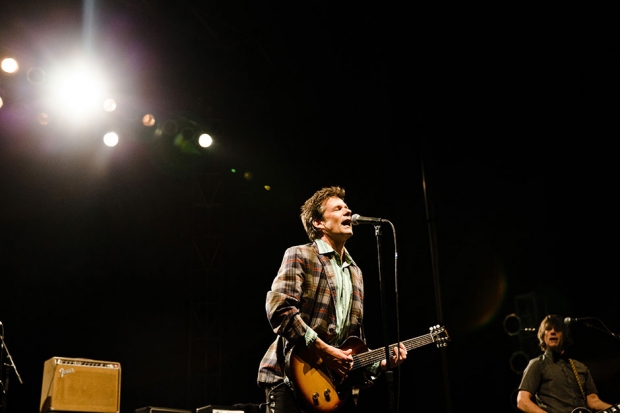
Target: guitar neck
(372,356)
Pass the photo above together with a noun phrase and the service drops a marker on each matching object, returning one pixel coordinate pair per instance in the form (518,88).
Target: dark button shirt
(551,379)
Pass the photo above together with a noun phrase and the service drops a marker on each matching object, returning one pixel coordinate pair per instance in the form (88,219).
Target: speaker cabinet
(150,409)
(80,385)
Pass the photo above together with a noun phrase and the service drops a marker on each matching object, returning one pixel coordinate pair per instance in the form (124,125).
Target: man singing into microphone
(554,383)
(314,305)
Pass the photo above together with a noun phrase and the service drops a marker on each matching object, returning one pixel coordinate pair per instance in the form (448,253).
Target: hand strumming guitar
(337,360)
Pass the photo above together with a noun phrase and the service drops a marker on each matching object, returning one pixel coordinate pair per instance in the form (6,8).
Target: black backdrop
(485,135)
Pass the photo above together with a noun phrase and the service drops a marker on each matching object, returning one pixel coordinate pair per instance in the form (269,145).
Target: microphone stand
(9,363)
(389,378)
(604,329)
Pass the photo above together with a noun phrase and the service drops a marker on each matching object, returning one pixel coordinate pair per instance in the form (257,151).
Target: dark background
(486,135)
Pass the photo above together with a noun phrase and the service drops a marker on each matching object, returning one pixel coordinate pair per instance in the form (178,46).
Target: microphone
(569,320)
(356,219)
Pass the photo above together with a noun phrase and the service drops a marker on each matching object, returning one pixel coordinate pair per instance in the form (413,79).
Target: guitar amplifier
(80,385)
(150,409)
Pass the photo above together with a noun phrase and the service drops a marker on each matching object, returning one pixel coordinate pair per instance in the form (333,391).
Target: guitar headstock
(439,335)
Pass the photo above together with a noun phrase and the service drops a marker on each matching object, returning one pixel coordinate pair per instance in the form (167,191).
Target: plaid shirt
(303,296)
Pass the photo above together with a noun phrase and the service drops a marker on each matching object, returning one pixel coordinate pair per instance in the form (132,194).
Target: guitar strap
(572,364)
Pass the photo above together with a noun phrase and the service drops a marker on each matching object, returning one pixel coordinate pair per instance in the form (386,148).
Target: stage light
(79,91)
(148,120)
(110,139)
(9,65)
(205,140)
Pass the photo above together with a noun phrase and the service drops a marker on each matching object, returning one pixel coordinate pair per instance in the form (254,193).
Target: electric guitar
(323,391)
(612,409)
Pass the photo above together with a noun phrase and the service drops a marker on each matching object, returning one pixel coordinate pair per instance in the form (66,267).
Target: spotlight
(148,120)
(110,139)
(9,65)
(205,140)
(79,90)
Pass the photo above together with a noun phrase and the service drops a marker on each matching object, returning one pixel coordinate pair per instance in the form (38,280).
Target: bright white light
(79,90)
(110,139)
(9,65)
(205,140)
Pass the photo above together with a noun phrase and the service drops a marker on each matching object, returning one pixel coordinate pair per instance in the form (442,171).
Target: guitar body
(322,391)
(612,409)
(316,386)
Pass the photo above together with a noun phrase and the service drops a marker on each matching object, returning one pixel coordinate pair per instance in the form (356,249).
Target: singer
(553,382)
(314,305)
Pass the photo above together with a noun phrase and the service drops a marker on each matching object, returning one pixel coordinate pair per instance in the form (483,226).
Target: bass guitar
(323,391)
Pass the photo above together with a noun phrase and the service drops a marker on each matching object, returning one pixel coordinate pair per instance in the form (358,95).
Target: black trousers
(281,399)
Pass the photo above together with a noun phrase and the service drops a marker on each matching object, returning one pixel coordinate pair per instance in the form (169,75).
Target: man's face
(336,223)
(553,338)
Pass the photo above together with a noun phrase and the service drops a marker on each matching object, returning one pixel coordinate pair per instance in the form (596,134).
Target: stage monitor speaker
(80,385)
(150,409)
